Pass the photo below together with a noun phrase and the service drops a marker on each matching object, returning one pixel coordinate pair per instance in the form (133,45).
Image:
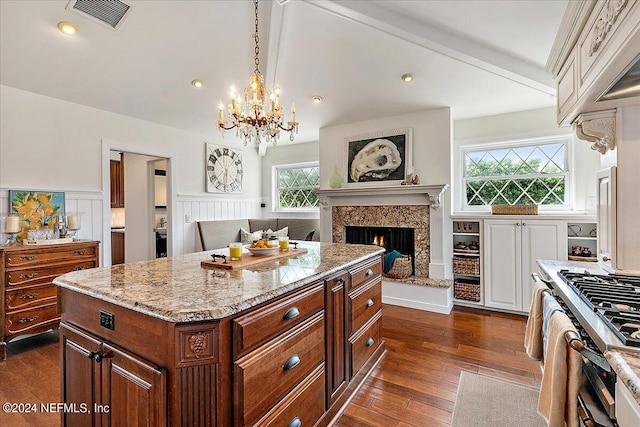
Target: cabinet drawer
(19,322)
(266,375)
(20,298)
(48,255)
(263,324)
(364,342)
(303,406)
(365,271)
(35,276)
(364,302)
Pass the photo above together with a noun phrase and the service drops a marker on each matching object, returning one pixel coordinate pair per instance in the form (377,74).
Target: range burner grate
(615,298)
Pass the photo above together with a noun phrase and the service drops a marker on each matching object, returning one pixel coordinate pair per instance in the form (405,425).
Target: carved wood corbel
(599,128)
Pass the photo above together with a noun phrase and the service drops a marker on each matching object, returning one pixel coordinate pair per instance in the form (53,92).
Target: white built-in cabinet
(607,216)
(511,248)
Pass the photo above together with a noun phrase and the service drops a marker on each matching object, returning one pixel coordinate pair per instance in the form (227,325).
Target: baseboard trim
(427,298)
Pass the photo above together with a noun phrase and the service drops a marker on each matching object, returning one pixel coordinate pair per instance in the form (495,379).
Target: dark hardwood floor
(414,385)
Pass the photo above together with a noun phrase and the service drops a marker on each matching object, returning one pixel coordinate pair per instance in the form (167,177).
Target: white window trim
(459,180)
(275,200)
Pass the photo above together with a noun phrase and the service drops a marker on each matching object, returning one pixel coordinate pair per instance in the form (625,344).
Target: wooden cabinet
(364,313)
(117,247)
(337,361)
(116,183)
(281,346)
(606,205)
(100,382)
(511,248)
(29,297)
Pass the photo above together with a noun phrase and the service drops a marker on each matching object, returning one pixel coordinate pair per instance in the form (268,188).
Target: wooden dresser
(29,297)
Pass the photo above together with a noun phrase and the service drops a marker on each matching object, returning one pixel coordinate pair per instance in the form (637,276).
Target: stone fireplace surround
(416,217)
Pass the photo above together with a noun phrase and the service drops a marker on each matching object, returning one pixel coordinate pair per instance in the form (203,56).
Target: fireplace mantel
(433,192)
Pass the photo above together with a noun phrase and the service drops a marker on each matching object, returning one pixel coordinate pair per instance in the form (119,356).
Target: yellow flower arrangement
(36,209)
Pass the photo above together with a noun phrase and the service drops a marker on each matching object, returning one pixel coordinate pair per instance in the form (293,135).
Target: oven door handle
(536,278)
(576,343)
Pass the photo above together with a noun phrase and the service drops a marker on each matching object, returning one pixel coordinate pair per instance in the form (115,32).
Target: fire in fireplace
(390,238)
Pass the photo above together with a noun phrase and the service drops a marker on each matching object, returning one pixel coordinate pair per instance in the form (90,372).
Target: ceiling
(478,57)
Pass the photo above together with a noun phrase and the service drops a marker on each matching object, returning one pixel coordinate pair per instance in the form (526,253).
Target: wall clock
(223,169)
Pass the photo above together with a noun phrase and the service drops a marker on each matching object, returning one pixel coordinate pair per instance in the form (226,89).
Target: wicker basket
(514,210)
(466,290)
(466,265)
(401,268)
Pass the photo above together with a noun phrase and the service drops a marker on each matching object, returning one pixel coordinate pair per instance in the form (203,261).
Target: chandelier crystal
(258,114)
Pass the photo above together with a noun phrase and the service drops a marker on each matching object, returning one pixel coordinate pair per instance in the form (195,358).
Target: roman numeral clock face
(224,169)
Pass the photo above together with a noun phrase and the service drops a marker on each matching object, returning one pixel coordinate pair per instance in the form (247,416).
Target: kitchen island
(166,342)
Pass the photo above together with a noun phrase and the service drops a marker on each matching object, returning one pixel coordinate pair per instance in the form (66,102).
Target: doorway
(139,227)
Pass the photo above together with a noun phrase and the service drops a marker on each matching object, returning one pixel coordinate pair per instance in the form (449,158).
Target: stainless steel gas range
(605,308)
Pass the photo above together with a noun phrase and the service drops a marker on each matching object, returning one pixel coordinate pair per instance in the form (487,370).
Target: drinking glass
(235,251)
(283,242)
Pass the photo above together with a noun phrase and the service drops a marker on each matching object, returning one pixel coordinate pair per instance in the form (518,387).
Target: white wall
(431,143)
(284,154)
(50,144)
(525,125)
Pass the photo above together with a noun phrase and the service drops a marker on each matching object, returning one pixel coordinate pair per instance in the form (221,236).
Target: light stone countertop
(627,366)
(177,289)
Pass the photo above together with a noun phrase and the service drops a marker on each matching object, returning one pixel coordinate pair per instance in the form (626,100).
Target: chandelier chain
(256,38)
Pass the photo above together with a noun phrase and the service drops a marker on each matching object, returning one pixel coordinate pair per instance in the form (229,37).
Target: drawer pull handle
(27,319)
(606,258)
(369,272)
(27,258)
(30,296)
(369,342)
(28,276)
(104,355)
(92,354)
(369,302)
(82,252)
(77,268)
(291,363)
(295,422)
(291,313)
(340,281)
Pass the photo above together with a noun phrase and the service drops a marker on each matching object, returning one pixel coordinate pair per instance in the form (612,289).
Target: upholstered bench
(218,234)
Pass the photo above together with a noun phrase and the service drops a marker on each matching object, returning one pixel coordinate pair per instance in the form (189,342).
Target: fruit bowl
(263,251)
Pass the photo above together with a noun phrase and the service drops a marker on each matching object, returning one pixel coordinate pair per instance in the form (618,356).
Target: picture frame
(364,152)
(36,209)
(223,169)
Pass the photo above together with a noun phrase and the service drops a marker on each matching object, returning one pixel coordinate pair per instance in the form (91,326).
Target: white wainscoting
(185,235)
(203,208)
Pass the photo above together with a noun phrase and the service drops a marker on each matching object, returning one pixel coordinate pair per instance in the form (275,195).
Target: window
(535,173)
(295,186)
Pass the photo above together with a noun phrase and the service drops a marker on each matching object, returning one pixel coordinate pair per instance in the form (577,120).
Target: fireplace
(390,238)
(399,217)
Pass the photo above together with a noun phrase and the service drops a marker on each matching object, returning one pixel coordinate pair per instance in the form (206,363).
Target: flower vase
(335,180)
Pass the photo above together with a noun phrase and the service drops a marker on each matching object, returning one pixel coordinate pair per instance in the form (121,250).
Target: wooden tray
(583,258)
(249,259)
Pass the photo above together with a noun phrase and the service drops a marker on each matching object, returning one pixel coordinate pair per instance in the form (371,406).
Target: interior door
(607,216)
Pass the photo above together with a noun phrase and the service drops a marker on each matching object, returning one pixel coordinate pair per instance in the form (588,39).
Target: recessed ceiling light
(407,77)
(317,99)
(197,83)
(67,28)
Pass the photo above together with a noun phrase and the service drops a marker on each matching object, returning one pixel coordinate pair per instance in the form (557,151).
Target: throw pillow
(279,233)
(247,236)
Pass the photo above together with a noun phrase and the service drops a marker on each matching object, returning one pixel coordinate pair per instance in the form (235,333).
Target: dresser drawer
(364,302)
(49,254)
(303,406)
(364,342)
(266,375)
(265,323)
(20,298)
(22,321)
(365,271)
(41,275)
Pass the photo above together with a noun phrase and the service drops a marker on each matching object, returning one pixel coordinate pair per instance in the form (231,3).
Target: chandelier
(259,113)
